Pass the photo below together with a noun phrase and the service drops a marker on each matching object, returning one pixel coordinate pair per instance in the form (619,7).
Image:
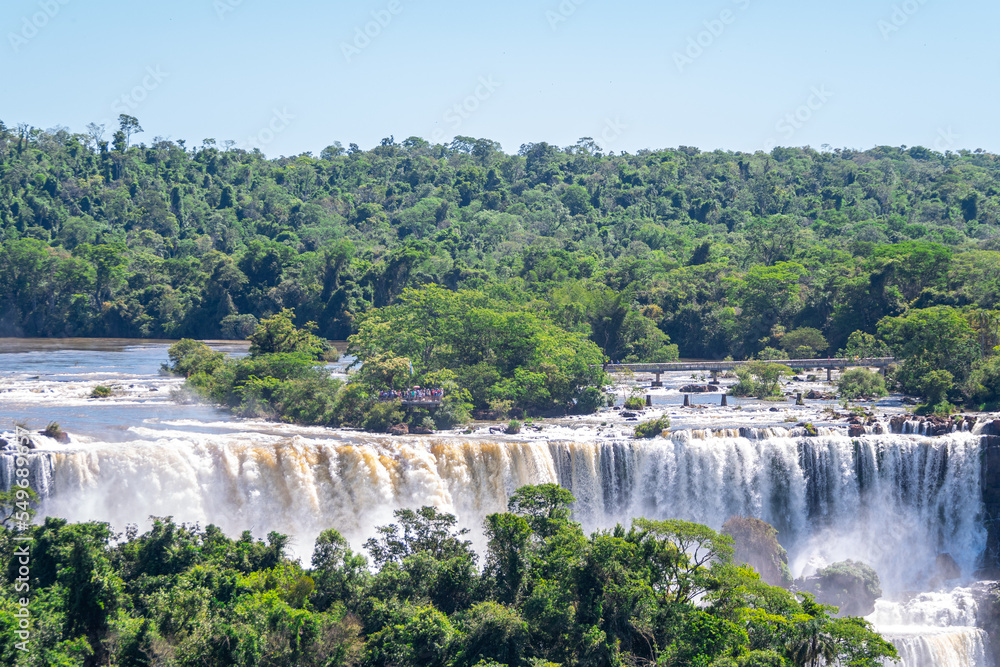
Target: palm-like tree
(812,645)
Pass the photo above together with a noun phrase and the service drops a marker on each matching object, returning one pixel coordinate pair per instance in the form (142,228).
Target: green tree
(930,339)
(279,335)
(861,383)
(804,343)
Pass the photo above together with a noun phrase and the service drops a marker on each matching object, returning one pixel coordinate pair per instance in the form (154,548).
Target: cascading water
(935,629)
(894,501)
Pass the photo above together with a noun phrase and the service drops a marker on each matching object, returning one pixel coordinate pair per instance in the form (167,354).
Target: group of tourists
(412,394)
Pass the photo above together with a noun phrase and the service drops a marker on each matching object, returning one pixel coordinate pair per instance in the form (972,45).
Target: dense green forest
(667,593)
(667,252)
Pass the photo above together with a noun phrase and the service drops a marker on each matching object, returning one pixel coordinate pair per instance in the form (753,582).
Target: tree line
(665,252)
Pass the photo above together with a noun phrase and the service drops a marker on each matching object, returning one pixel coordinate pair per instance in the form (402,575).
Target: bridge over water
(715,366)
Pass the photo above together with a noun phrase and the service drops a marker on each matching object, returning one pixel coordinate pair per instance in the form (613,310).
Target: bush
(189,357)
(513,427)
(100,391)
(652,428)
(54,431)
(861,383)
(308,400)
(590,400)
(852,586)
(759,379)
(500,408)
(381,416)
(635,403)
(983,385)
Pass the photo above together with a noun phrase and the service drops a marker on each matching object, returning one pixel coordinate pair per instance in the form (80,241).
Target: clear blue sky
(293,76)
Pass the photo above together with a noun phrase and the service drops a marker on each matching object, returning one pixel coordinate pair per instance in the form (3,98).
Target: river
(893,501)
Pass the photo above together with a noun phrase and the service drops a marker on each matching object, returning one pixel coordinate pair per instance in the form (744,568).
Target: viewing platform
(420,402)
(715,366)
(414,397)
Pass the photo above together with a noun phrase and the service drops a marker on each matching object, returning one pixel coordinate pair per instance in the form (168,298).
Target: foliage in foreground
(542,592)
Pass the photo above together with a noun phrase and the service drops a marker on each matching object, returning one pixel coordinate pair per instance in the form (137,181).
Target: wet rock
(814,395)
(896,423)
(626,413)
(878,429)
(855,430)
(852,586)
(946,567)
(399,429)
(422,430)
(698,388)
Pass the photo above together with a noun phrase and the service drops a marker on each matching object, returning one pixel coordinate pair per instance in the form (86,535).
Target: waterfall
(935,629)
(893,501)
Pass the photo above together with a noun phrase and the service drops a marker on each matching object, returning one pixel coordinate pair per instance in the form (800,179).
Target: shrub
(590,400)
(852,586)
(308,400)
(100,391)
(861,383)
(635,403)
(54,431)
(759,379)
(513,427)
(381,416)
(500,408)
(770,353)
(652,428)
(189,357)
(983,385)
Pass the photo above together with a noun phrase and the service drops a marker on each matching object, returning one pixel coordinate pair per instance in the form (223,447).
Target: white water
(892,501)
(934,629)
